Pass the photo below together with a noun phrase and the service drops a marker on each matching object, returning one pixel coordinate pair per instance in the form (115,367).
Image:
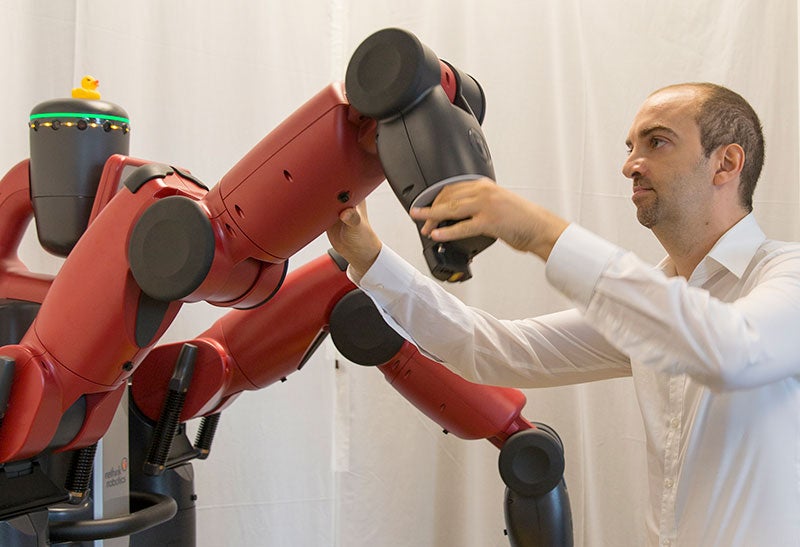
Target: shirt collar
(736,247)
(734,250)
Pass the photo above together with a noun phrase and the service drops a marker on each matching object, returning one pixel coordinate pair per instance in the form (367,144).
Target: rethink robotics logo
(117,475)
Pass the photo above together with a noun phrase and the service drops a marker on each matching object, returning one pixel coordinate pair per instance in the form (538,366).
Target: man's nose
(632,166)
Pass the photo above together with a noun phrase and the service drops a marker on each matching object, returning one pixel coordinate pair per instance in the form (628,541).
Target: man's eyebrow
(646,131)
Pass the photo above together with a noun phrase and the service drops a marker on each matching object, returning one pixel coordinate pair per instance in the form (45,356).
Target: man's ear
(730,161)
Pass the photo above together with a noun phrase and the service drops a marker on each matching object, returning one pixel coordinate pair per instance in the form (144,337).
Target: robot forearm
(249,349)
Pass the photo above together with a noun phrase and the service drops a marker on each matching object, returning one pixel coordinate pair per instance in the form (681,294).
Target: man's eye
(656,142)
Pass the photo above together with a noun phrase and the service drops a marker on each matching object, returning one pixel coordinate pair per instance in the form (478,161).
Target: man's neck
(687,245)
(685,258)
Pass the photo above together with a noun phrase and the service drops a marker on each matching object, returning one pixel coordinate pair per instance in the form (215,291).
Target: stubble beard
(647,214)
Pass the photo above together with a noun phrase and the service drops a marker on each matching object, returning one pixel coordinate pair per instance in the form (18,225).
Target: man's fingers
(361,209)
(459,211)
(424,213)
(463,202)
(449,209)
(460,230)
(350,217)
(428,227)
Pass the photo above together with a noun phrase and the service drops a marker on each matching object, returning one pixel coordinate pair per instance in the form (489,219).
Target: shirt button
(669,483)
(674,423)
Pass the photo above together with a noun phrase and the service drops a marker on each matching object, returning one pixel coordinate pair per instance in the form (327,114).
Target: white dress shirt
(715,363)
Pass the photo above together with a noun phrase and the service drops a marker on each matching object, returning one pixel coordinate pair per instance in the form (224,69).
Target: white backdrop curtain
(334,456)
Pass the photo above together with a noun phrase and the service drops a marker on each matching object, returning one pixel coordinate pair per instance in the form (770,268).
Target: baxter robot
(142,238)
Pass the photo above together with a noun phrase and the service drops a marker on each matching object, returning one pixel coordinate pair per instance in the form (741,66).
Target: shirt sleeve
(555,349)
(665,323)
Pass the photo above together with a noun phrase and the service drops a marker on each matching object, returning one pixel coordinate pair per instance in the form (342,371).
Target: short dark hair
(725,117)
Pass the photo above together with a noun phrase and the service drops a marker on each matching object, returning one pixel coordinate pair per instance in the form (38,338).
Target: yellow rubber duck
(88,89)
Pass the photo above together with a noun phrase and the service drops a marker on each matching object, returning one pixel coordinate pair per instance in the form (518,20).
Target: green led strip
(79,115)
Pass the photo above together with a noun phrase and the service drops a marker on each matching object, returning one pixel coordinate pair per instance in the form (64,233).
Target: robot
(73,345)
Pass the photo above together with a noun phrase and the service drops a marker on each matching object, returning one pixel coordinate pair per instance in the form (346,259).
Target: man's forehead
(672,108)
(680,97)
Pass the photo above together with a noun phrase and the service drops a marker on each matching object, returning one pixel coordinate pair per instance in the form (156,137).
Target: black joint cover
(150,314)
(359,332)
(7,368)
(16,316)
(146,172)
(188,176)
(532,461)
(171,248)
(389,72)
(470,91)
(340,261)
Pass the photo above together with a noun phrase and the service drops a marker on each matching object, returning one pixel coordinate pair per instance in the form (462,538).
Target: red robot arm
(159,238)
(235,355)
(248,349)
(251,349)
(16,281)
(164,239)
(191,244)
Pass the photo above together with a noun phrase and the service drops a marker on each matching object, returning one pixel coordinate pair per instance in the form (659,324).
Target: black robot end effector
(425,140)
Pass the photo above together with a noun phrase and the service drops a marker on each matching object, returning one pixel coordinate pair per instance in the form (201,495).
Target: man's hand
(488,209)
(353,238)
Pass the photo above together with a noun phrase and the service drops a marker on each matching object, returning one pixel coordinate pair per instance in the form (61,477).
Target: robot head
(70,141)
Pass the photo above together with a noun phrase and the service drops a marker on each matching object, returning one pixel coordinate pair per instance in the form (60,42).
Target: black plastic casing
(424,140)
(67,158)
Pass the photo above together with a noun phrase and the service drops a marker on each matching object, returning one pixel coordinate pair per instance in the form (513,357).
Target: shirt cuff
(388,275)
(576,263)
(388,279)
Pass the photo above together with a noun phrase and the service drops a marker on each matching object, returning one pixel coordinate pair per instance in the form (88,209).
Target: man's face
(672,178)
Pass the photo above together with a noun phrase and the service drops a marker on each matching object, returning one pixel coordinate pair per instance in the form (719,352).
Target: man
(708,336)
